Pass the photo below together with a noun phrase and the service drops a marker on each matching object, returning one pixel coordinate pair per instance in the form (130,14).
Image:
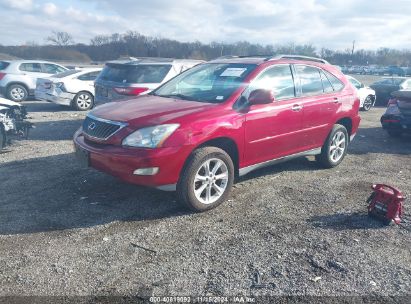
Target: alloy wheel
(211,181)
(84,101)
(338,146)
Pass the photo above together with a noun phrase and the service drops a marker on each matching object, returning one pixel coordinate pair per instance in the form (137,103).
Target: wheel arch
(226,144)
(347,123)
(18,83)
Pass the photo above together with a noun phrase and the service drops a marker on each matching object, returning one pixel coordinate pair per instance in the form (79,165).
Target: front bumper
(397,122)
(122,162)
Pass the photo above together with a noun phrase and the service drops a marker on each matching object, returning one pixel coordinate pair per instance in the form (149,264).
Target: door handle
(336,100)
(297,108)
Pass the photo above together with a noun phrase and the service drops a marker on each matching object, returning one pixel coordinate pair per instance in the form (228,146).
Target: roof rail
(297,57)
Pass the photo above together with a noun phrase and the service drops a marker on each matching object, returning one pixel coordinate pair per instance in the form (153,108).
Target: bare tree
(60,38)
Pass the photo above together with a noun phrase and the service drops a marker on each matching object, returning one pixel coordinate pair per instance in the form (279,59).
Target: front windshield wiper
(179,96)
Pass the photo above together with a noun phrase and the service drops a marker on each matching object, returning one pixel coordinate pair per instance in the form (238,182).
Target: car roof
(155,60)
(260,59)
(32,61)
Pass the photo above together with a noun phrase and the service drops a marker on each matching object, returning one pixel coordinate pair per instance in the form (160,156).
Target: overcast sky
(323,23)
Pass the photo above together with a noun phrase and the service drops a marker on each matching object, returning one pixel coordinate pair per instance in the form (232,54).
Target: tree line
(60,46)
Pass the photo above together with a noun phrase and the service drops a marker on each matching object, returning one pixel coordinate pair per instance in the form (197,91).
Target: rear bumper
(398,122)
(64,99)
(122,162)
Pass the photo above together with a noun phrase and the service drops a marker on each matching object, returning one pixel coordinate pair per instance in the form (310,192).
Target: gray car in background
(18,77)
(124,79)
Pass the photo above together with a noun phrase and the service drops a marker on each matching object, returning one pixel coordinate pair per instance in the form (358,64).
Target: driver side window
(278,79)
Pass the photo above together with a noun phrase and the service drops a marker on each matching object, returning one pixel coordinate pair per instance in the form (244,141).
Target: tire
(332,155)
(17,92)
(83,101)
(194,177)
(394,132)
(368,103)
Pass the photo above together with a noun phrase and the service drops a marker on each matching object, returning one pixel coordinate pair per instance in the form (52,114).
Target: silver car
(18,77)
(124,79)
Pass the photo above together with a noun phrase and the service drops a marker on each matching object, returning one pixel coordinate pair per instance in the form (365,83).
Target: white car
(73,88)
(366,94)
(18,77)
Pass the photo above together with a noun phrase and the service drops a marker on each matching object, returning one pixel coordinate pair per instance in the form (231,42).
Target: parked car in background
(384,87)
(121,80)
(223,119)
(366,94)
(18,77)
(73,88)
(397,118)
(394,70)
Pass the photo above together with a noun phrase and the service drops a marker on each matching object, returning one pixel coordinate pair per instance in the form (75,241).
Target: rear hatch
(404,102)
(122,81)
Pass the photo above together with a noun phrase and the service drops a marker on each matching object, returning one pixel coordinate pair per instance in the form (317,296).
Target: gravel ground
(291,229)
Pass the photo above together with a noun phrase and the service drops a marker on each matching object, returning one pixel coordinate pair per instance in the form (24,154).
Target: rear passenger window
(336,83)
(279,79)
(310,79)
(30,67)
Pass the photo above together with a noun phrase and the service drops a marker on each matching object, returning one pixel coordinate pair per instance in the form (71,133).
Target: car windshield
(212,82)
(138,73)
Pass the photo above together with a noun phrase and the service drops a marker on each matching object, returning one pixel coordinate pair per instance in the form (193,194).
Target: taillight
(130,91)
(2,75)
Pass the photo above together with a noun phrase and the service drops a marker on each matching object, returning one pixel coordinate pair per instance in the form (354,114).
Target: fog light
(146,171)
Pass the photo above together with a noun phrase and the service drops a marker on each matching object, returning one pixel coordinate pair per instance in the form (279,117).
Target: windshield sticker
(233,72)
(219,98)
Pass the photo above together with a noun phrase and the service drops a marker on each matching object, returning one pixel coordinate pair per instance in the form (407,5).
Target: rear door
(321,100)
(273,130)
(32,71)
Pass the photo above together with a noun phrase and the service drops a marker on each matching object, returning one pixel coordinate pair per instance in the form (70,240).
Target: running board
(246,170)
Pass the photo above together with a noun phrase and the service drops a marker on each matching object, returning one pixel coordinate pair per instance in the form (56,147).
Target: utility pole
(353,48)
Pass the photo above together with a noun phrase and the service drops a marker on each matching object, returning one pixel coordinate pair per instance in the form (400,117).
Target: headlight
(150,137)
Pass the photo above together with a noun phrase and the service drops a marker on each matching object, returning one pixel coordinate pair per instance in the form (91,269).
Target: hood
(149,110)
(8,103)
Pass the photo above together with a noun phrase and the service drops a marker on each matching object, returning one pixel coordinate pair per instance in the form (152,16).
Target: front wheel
(335,147)
(83,101)
(206,179)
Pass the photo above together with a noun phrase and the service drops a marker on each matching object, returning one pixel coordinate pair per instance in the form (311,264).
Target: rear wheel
(207,179)
(17,92)
(83,101)
(368,102)
(335,147)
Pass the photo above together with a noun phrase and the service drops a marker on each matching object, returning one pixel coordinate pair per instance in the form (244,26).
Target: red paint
(261,132)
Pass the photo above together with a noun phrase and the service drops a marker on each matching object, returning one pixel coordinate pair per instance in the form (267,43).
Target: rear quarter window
(4,65)
(142,73)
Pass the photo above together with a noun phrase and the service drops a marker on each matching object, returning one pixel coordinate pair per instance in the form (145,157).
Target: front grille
(100,128)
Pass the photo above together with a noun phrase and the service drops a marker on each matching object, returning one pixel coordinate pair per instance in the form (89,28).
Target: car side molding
(246,170)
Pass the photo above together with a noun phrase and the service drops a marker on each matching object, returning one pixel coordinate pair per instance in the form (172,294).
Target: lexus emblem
(91,126)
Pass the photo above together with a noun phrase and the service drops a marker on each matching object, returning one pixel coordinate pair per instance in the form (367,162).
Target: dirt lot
(291,229)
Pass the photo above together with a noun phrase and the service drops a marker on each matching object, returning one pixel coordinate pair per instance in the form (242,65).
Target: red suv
(199,131)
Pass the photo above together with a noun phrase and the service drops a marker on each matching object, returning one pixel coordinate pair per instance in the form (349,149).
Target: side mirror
(260,96)
(362,85)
